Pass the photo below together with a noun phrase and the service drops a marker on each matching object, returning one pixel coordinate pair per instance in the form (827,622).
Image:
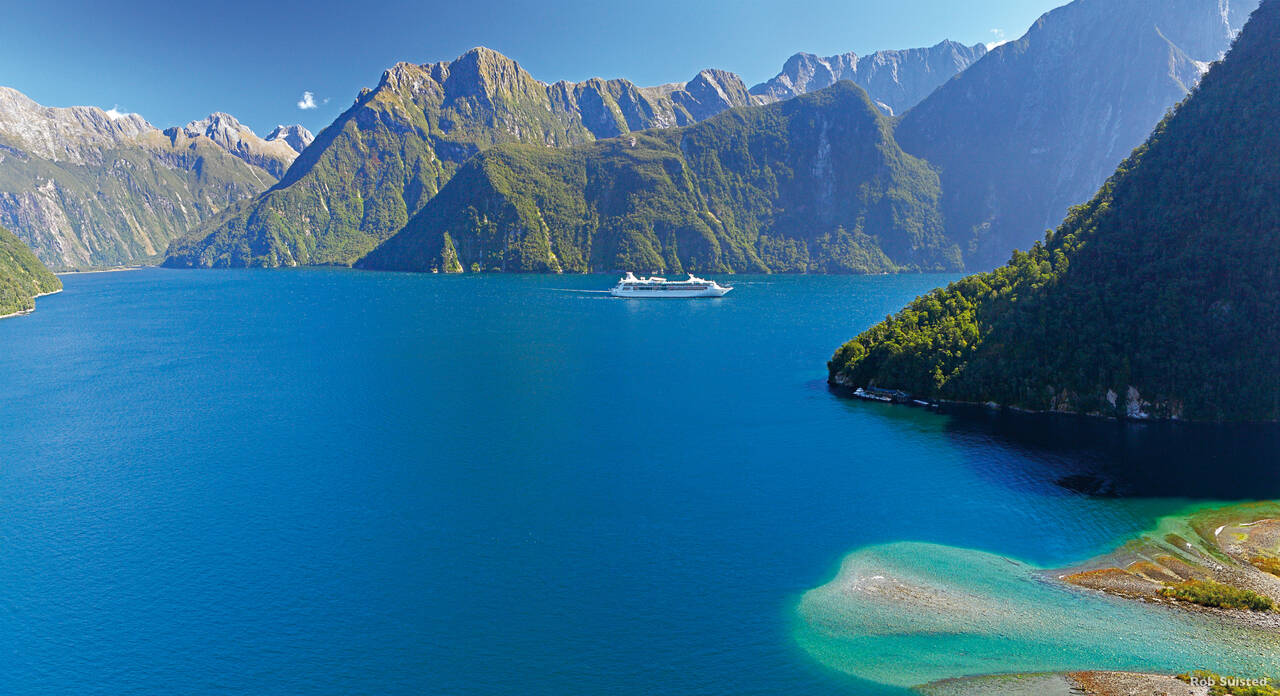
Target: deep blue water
(333,482)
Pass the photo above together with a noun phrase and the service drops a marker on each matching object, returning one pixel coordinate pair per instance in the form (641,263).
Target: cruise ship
(631,286)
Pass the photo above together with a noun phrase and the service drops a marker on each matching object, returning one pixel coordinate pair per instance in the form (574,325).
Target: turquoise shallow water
(332,482)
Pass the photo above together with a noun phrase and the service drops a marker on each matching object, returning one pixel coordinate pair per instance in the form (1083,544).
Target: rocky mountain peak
(295,136)
(228,133)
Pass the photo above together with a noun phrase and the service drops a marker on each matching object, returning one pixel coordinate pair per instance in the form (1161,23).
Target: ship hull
(673,294)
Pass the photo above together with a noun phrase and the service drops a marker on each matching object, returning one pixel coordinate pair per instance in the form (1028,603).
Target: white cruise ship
(631,286)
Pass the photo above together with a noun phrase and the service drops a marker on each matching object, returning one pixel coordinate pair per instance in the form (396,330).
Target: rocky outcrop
(895,80)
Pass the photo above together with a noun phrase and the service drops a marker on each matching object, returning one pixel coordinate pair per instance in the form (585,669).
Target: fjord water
(333,482)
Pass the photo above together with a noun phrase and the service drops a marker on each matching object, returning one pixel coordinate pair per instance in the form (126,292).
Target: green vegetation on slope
(379,163)
(22,276)
(812,184)
(1158,297)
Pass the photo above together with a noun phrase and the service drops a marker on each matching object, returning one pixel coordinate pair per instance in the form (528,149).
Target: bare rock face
(895,80)
(226,132)
(294,136)
(86,187)
(77,135)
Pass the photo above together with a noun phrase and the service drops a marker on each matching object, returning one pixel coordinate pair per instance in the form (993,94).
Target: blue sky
(174,62)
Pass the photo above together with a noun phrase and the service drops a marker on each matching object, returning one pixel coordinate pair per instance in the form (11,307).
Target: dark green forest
(22,276)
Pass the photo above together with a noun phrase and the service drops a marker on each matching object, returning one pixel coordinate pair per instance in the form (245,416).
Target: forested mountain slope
(1160,297)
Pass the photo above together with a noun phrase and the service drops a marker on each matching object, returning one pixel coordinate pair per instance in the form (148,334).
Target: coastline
(24,312)
(109,269)
(944,405)
(974,623)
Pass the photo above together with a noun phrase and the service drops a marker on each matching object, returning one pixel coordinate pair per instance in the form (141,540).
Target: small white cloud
(114,113)
(308,101)
(999,40)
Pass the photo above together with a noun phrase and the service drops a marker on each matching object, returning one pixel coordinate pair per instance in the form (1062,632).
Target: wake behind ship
(631,286)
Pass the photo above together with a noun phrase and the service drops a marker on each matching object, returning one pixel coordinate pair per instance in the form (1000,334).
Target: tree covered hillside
(814,184)
(22,276)
(1161,296)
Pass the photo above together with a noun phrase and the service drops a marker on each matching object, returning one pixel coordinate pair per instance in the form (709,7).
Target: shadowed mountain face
(1038,124)
(1155,299)
(811,184)
(86,187)
(896,80)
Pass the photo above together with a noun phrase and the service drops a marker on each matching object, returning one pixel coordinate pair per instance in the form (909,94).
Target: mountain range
(1157,298)
(87,187)
(422,122)
(792,186)
(1016,134)
(1013,136)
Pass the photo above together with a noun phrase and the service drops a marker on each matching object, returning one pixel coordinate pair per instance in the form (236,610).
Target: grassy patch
(1215,594)
(1266,564)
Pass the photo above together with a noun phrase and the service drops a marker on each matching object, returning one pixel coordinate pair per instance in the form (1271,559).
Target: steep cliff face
(895,80)
(381,161)
(815,184)
(22,277)
(87,187)
(1158,298)
(1036,125)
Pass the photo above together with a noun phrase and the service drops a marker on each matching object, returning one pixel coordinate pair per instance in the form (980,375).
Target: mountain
(896,80)
(1157,298)
(294,136)
(1037,124)
(385,157)
(87,187)
(226,132)
(811,184)
(22,276)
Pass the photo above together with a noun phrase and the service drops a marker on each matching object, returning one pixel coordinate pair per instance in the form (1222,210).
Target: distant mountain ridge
(86,187)
(226,132)
(1038,124)
(896,80)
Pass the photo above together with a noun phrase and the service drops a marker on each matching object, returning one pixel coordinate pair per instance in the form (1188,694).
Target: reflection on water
(1149,460)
